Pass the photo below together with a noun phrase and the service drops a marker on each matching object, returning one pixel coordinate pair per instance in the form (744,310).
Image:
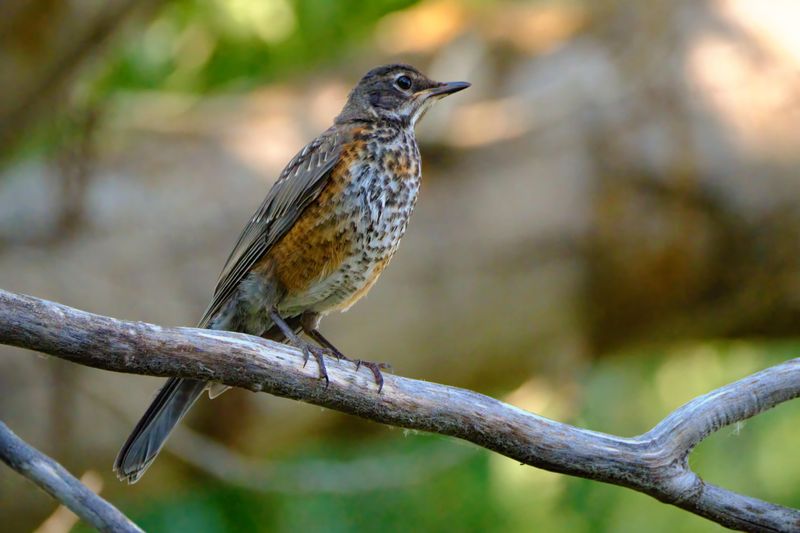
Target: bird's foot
(310,350)
(329,349)
(307,348)
(376,370)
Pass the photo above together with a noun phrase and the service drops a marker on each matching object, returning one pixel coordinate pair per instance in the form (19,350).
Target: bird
(325,231)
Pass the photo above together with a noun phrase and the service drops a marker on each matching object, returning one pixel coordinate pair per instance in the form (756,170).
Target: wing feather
(297,186)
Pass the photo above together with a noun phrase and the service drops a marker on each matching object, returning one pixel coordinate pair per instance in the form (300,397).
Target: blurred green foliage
(202,45)
(625,394)
(205,46)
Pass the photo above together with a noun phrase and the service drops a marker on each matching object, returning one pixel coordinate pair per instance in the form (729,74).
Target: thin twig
(654,463)
(60,484)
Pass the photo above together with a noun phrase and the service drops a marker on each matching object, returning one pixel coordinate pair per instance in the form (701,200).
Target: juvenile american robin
(318,242)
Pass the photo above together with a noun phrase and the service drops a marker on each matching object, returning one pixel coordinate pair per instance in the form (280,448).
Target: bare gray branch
(60,484)
(654,463)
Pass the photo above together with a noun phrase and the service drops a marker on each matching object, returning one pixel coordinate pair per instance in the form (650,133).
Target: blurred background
(609,225)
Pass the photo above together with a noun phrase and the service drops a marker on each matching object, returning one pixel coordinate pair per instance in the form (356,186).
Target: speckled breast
(358,221)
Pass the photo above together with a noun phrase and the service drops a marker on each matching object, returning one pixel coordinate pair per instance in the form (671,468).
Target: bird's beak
(445,89)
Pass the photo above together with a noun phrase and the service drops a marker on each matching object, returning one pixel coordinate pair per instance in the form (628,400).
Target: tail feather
(172,402)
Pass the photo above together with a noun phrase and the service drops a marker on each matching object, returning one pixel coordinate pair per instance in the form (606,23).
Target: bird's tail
(148,437)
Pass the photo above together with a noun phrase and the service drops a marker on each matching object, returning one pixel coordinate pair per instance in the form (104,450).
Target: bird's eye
(403,83)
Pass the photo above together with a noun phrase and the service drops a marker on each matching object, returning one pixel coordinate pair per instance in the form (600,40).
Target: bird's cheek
(383,101)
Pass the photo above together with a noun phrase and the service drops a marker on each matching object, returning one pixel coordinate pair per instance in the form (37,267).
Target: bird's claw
(319,356)
(319,353)
(376,370)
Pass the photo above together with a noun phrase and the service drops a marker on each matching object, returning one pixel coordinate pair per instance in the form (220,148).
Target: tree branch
(655,463)
(60,484)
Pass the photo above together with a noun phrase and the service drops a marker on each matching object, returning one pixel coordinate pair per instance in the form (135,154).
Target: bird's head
(397,93)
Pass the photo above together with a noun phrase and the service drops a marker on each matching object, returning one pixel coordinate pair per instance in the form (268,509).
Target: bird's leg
(307,348)
(317,336)
(310,322)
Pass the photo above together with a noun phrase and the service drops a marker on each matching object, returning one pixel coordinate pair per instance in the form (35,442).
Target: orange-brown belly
(328,265)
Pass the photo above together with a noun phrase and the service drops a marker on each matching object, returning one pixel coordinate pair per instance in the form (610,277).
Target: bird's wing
(297,186)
